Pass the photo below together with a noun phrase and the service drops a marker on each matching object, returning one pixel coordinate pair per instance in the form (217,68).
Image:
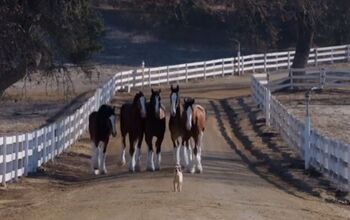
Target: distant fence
(326,154)
(23,153)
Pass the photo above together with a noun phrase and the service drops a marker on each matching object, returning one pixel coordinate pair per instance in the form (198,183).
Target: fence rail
(329,156)
(23,153)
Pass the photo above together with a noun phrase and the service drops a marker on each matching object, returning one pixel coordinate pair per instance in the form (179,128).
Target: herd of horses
(141,119)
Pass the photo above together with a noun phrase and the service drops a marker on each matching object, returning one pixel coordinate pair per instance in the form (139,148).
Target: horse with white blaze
(154,127)
(132,122)
(182,149)
(194,118)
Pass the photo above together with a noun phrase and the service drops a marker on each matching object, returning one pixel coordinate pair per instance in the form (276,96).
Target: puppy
(178,179)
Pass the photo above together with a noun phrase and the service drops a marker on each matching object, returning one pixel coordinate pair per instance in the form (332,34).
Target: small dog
(178,179)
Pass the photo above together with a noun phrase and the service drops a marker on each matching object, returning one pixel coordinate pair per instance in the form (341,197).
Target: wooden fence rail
(329,156)
(21,154)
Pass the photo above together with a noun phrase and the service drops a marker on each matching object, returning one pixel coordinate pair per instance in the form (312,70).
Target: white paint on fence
(34,148)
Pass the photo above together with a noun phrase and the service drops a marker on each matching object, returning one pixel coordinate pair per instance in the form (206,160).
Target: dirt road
(249,173)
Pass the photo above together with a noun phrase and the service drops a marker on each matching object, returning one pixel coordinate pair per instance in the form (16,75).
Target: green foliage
(36,34)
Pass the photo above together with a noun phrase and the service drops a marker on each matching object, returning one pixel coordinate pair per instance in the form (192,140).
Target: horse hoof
(131,170)
(121,163)
(157,169)
(151,169)
(137,169)
(192,170)
(96,172)
(104,172)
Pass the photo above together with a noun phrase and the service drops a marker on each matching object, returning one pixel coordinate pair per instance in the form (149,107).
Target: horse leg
(150,163)
(100,148)
(138,154)
(194,162)
(183,154)
(199,152)
(103,157)
(133,144)
(176,151)
(189,151)
(94,158)
(122,161)
(159,145)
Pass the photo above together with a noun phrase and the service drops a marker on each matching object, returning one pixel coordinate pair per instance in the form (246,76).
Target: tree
(40,34)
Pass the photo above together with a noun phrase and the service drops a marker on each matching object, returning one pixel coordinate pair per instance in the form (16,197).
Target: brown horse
(182,153)
(101,126)
(194,121)
(132,118)
(154,127)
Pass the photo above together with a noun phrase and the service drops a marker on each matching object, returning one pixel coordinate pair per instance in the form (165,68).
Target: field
(329,109)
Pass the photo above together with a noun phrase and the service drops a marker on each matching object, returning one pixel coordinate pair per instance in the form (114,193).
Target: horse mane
(105,111)
(137,96)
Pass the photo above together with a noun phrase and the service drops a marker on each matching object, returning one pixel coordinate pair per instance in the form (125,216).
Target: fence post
(233,66)
(265,62)
(205,70)
(26,147)
(4,161)
(53,140)
(97,99)
(45,144)
(143,73)
(121,80)
(349,53)
(276,57)
(267,106)
(307,142)
(254,64)
(16,158)
(332,60)
(186,70)
(288,59)
(223,68)
(316,57)
(291,78)
(167,74)
(243,65)
(134,77)
(239,63)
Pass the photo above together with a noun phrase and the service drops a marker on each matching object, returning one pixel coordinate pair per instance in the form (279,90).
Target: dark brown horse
(132,119)
(154,127)
(194,121)
(183,152)
(101,126)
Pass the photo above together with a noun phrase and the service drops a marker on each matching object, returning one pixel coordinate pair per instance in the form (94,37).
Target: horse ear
(114,108)
(152,90)
(171,87)
(193,100)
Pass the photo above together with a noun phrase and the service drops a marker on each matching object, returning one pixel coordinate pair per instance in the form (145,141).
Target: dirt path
(248,174)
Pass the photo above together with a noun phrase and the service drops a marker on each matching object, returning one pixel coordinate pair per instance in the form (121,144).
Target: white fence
(24,153)
(329,156)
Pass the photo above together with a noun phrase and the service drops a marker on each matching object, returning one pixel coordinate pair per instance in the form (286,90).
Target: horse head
(188,110)
(140,102)
(174,100)
(155,102)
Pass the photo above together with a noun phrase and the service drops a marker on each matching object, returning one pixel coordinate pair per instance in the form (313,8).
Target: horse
(132,119)
(154,127)
(101,126)
(194,120)
(182,153)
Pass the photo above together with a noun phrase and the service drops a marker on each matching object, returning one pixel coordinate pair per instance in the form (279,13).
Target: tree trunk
(305,40)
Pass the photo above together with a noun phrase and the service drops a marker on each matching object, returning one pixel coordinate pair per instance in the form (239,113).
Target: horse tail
(92,125)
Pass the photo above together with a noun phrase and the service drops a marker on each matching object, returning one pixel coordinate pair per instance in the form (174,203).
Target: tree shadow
(278,167)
